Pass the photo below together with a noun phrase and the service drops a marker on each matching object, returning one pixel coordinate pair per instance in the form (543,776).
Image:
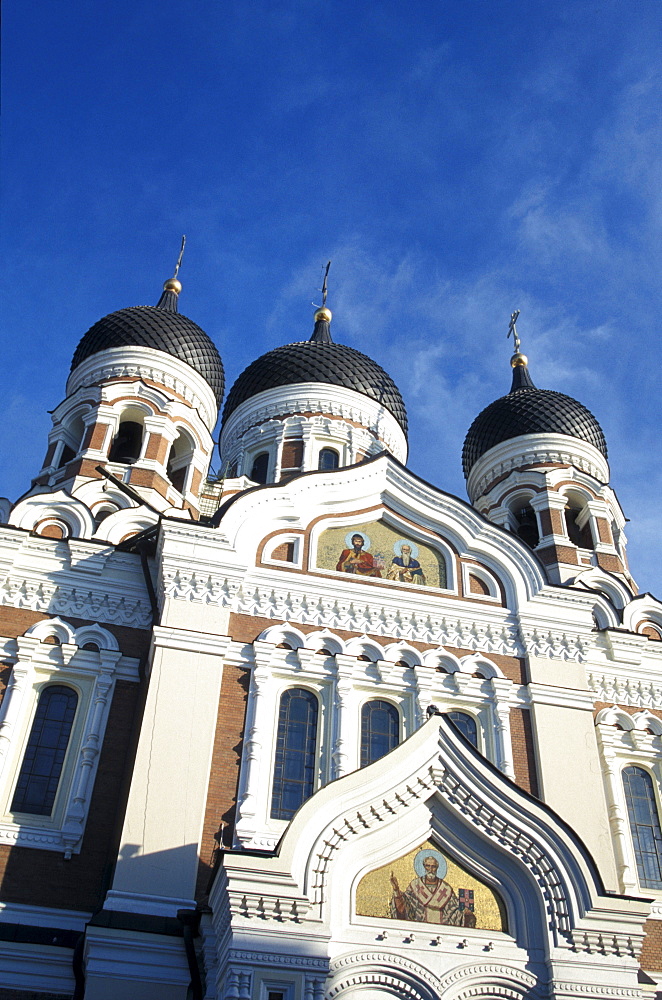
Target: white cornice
(155,366)
(217,567)
(531,450)
(315,398)
(74,578)
(189,641)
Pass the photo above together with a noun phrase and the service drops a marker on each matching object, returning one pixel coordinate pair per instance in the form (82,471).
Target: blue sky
(456,160)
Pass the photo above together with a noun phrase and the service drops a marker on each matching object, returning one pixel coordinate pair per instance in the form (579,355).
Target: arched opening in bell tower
(179,460)
(577,522)
(127,443)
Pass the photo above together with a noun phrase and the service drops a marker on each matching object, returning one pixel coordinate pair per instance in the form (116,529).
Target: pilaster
(159,847)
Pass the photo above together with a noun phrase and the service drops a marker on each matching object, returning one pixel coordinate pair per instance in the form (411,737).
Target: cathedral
(315,729)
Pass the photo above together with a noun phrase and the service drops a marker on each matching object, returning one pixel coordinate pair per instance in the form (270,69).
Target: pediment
(380,498)
(432,789)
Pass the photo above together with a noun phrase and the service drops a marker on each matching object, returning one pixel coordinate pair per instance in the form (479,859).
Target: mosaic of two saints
(376,550)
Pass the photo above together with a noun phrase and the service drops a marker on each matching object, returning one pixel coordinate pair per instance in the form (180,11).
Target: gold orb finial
(519,360)
(172,285)
(323,314)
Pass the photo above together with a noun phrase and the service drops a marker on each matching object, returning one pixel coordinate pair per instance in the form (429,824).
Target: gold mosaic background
(374,891)
(382,539)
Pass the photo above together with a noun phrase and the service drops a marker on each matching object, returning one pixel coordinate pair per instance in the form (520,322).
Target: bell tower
(535,462)
(141,402)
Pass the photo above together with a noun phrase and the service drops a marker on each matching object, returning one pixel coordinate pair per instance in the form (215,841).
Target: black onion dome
(162,328)
(528,410)
(318,360)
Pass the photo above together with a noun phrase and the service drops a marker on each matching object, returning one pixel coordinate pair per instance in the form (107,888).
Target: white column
(424,694)
(501,688)
(238,984)
(313,988)
(278,457)
(308,442)
(343,759)
(598,509)
(562,709)
(258,724)
(12,703)
(549,500)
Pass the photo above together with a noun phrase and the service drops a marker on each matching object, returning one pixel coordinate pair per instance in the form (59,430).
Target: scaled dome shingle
(529,410)
(162,328)
(318,360)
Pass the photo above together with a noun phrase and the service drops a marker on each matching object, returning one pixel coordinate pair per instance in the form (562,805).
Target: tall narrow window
(127,443)
(380,725)
(467,726)
(45,752)
(296,744)
(179,460)
(260,468)
(329,459)
(644,826)
(527,525)
(67,455)
(578,536)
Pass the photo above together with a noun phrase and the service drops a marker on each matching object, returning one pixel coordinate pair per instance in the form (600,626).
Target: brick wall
(523,753)
(224,775)
(651,953)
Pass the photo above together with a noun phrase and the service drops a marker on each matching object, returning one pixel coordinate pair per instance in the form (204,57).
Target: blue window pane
(296,744)
(644,826)
(467,726)
(260,468)
(380,730)
(44,755)
(328,459)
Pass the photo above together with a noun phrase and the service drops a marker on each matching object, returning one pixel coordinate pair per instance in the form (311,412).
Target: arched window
(45,752)
(296,745)
(380,730)
(127,443)
(260,468)
(583,536)
(527,525)
(179,460)
(73,433)
(644,826)
(103,511)
(66,456)
(328,459)
(466,724)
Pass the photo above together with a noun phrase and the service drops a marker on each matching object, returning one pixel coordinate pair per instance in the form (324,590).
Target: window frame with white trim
(87,661)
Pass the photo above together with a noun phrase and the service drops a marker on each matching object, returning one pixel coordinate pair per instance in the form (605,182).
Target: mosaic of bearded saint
(428,898)
(404,567)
